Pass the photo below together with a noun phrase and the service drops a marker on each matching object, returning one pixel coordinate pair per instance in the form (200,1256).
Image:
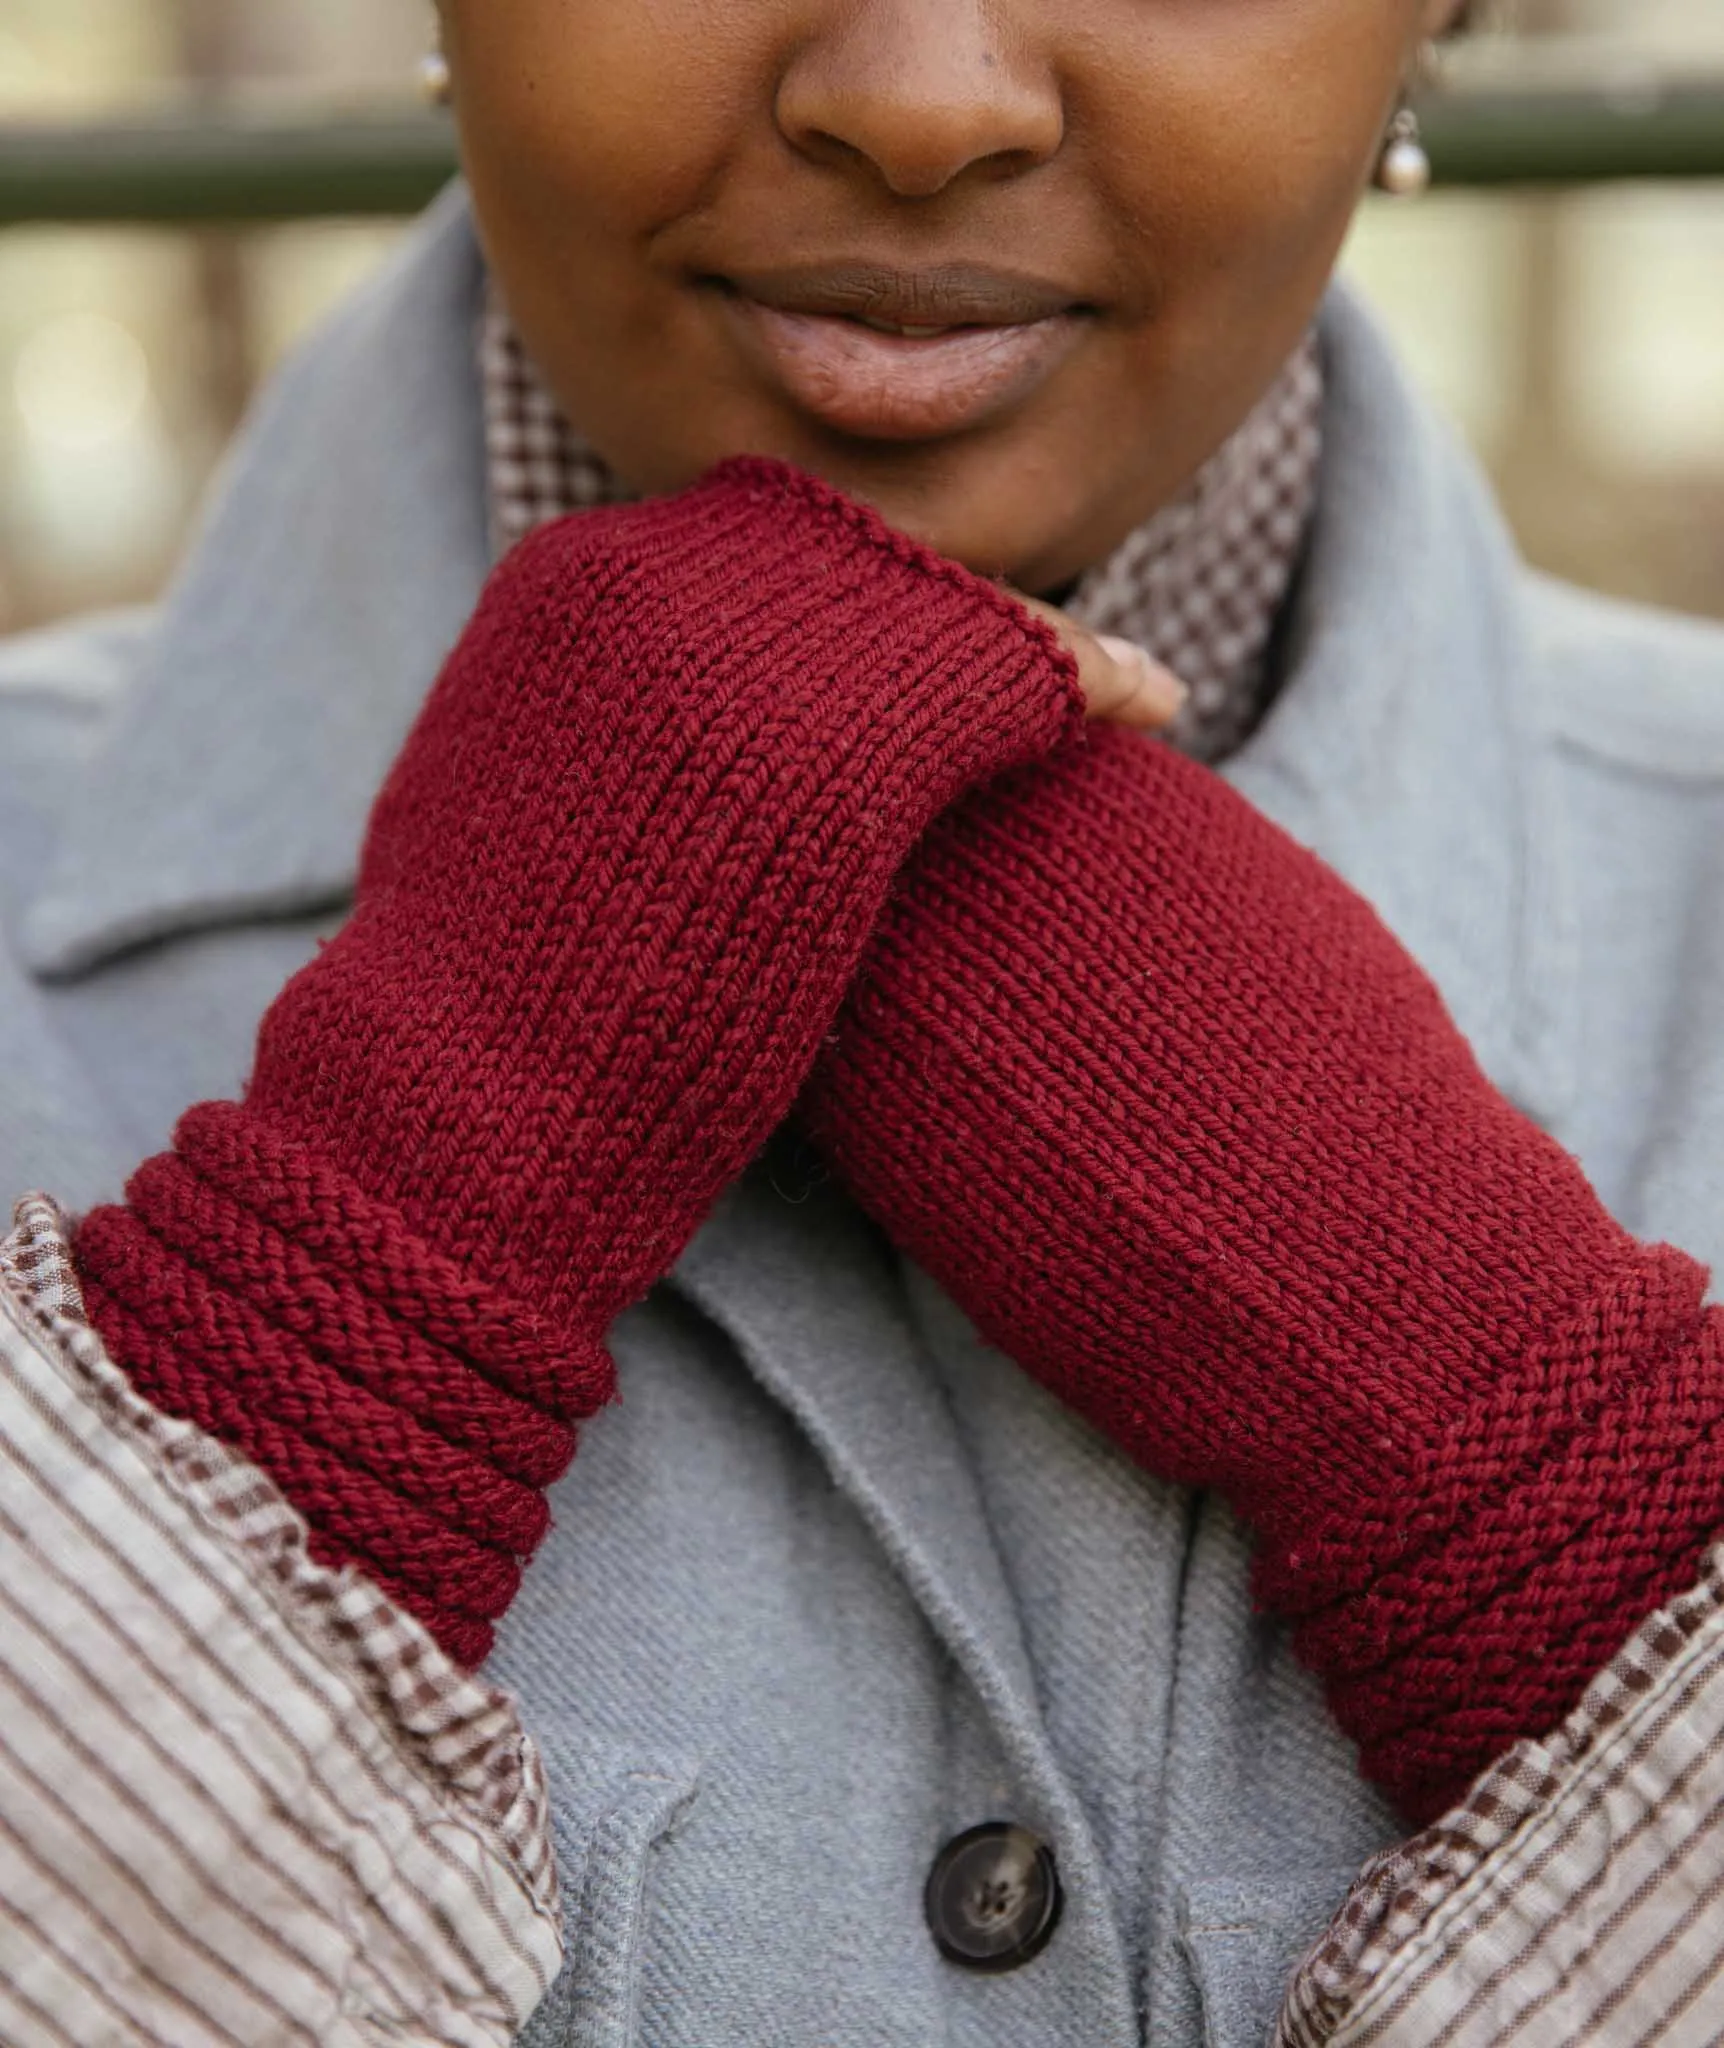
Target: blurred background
(1576,334)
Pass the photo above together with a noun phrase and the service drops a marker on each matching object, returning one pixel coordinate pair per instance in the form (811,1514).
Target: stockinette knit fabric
(609,902)
(1163,1105)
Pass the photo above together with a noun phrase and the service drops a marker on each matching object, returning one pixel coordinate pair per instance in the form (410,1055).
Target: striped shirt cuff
(243,1800)
(1576,1895)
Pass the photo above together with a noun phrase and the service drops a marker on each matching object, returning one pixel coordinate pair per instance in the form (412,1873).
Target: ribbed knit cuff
(788,592)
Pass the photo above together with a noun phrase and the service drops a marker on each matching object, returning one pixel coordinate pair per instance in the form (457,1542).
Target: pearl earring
(435,83)
(1404,168)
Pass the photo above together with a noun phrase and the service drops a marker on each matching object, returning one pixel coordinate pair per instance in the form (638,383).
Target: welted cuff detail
(1572,1895)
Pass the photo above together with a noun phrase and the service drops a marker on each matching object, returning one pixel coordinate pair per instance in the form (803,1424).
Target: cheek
(1238,134)
(586,120)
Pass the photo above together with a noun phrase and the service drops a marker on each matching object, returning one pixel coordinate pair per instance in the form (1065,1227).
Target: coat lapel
(813,1300)
(1401,748)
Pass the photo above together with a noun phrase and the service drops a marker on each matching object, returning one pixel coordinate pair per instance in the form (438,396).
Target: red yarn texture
(1164,1106)
(610,900)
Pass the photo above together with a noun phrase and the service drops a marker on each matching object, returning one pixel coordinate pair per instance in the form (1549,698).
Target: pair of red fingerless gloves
(739,798)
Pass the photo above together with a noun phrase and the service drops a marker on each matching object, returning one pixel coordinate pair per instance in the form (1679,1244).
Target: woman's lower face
(1008,269)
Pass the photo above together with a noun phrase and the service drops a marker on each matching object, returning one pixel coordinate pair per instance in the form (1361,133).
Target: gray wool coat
(834,1582)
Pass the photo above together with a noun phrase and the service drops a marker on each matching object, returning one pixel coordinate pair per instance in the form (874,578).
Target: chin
(1006,501)
(990,510)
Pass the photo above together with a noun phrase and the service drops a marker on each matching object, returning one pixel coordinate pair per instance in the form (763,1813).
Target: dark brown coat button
(993,1898)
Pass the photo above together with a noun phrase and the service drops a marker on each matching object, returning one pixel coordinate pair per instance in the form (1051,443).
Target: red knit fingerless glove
(1163,1105)
(609,902)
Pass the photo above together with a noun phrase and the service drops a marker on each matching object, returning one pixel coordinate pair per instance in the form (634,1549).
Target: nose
(920,92)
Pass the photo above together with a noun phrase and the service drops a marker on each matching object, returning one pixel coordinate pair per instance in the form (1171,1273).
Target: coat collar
(340,559)
(1404,747)
(349,544)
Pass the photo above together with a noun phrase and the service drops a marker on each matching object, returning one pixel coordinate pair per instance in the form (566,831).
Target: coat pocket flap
(1244,1938)
(611,1807)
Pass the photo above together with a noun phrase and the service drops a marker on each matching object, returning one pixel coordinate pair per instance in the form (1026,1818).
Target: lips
(895,355)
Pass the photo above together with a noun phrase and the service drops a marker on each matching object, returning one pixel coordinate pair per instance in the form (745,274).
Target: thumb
(1121,683)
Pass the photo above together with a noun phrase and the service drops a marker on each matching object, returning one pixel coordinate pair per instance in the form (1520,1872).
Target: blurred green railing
(209,167)
(226,167)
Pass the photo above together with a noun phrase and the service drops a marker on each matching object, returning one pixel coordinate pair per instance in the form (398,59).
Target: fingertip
(1152,696)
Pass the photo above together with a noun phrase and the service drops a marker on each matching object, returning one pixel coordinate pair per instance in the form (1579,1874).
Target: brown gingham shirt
(245,1800)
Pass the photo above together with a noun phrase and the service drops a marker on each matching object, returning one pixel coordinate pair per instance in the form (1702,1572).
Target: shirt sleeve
(1576,1895)
(243,1800)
